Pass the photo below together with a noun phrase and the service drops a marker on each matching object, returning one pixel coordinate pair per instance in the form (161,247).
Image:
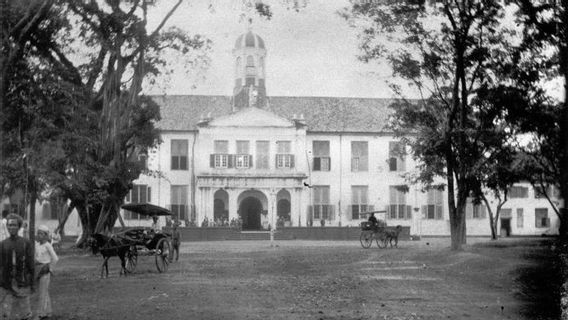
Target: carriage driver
(373,221)
(156,224)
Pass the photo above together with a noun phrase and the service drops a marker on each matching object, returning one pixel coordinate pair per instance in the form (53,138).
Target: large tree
(445,49)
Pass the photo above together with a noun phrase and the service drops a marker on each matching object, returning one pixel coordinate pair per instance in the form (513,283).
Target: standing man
(16,272)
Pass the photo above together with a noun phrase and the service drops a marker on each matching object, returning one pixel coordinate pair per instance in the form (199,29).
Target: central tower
(249,57)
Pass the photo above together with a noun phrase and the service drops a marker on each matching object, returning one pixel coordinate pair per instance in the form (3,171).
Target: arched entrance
(250,210)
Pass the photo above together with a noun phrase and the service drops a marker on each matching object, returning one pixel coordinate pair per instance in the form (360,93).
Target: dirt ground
(507,279)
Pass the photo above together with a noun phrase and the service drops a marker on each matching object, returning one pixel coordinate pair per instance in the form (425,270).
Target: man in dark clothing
(16,272)
(373,221)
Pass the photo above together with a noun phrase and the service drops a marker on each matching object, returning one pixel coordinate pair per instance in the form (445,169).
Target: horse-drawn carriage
(138,241)
(378,232)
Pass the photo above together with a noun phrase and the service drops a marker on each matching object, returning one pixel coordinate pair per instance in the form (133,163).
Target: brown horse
(110,247)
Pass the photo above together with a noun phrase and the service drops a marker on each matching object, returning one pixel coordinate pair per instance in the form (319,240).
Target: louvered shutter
(424,212)
(317,164)
(250,161)
(408,212)
(149,195)
(211,160)
(230,160)
(291,161)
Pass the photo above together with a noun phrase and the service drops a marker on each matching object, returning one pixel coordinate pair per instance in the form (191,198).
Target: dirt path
(317,280)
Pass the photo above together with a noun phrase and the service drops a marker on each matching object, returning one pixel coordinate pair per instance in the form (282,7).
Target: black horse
(110,247)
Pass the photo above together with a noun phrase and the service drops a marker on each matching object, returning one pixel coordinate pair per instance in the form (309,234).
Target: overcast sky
(309,53)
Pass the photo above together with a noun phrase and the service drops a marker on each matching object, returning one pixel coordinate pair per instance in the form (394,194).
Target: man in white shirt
(3,228)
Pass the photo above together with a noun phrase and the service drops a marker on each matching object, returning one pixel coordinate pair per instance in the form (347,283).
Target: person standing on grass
(45,259)
(176,238)
(16,272)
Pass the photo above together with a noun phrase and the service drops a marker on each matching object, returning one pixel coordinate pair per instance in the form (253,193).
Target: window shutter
(329,163)
(149,199)
(331,212)
(469,209)
(211,160)
(291,161)
(231,160)
(424,212)
(183,163)
(354,211)
(250,161)
(439,213)
(408,212)
(392,164)
(387,214)
(276,161)
(317,164)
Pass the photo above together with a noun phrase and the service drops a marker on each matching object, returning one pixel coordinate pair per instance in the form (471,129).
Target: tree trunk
(63,220)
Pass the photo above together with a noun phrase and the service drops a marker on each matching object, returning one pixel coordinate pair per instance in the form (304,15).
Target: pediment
(251,117)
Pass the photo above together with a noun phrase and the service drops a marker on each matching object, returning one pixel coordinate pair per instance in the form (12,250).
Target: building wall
(340,179)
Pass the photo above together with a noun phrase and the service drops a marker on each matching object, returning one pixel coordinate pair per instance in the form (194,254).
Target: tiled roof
(322,114)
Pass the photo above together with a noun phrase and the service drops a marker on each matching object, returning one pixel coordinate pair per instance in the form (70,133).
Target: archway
(250,210)
(220,204)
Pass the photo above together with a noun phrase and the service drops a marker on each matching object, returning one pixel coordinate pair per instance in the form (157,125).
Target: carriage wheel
(163,250)
(131,259)
(381,240)
(366,239)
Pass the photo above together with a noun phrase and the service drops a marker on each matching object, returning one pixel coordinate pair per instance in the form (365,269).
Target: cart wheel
(381,240)
(366,239)
(162,254)
(131,259)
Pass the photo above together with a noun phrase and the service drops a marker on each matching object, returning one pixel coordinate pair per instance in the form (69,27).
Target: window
(220,158)
(178,201)
(435,205)
(359,156)
(541,218)
(397,208)
(518,192)
(262,154)
(242,158)
(321,208)
(250,66)
(284,159)
(396,156)
(179,154)
(359,201)
(520,218)
(474,210)
(322,161)
(140,193)
(48,212)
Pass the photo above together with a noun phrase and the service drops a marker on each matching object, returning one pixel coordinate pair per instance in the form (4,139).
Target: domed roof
(249,40)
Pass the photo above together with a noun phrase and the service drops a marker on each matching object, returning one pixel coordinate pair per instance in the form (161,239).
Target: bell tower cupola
(249,56)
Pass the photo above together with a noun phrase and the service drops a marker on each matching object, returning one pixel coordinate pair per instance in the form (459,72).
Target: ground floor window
(140,193)
(359,202)
(178,202)
(520,218)
(541,218)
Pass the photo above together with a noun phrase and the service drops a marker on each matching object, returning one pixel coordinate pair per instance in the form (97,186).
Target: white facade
(334,162)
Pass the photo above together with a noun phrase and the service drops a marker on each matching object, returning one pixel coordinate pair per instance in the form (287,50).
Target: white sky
(309,53)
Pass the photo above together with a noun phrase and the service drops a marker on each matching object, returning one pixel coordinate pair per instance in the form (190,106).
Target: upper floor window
(518,192)
(284,158)
(179,154)
(140,193)
(322,161)
(396,156)
(435,205)
(359,201)
(262,154)
(242,147)
(243,158)
(397,208)
(359,156)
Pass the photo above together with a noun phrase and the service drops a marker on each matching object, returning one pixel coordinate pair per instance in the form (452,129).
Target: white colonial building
(300,159)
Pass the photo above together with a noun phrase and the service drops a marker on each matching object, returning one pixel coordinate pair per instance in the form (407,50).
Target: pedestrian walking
(16,278)
(45,260)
